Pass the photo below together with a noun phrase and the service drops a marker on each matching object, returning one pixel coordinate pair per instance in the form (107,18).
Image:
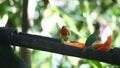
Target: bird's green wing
(91,39)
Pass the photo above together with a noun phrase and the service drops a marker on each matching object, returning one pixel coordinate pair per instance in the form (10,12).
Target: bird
(64,34)
(57,59)
(92,38)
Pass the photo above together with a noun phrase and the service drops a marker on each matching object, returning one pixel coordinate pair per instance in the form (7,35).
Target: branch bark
(54,45)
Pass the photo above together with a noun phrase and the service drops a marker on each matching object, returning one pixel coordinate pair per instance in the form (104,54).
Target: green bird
(92,38)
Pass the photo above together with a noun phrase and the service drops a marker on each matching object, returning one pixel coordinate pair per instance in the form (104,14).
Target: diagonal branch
(12,37)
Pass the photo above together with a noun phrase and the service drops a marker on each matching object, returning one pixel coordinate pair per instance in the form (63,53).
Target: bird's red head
(64,31)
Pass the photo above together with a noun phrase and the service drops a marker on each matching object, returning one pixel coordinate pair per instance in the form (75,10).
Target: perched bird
(57,59)
(92,38)
(64,34)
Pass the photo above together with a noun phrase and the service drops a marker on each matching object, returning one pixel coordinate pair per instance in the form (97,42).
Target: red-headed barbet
(64,34)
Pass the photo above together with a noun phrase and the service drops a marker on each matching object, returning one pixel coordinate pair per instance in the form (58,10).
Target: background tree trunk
(26,28)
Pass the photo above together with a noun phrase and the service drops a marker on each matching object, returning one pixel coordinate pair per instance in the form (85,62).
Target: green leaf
(95,64)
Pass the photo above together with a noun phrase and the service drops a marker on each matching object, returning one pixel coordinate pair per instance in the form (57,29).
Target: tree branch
(12,37)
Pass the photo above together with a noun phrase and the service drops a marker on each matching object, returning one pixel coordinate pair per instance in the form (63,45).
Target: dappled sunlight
(4,20)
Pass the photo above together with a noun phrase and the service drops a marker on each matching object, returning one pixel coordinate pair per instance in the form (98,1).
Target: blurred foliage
(77,15)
